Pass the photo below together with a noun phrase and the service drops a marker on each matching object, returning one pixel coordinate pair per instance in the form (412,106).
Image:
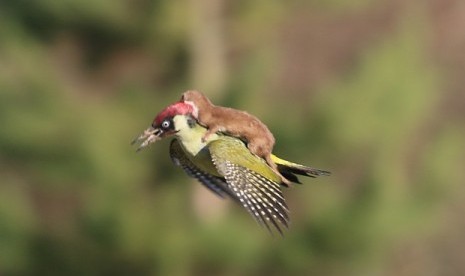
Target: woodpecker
(225,165)
(237,123)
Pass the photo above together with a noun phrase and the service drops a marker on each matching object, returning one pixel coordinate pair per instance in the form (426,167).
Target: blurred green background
(370,90)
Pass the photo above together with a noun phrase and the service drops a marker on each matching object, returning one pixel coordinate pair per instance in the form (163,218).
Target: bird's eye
(165,124)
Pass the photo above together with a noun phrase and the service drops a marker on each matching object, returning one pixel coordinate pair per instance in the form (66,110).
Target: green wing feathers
(235,151)
(228,168)
(260,196)
(214,183)
(252,182)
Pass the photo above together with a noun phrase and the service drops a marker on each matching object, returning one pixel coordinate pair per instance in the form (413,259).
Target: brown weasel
(237,123)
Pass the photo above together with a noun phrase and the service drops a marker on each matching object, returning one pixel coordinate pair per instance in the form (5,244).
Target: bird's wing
(259,194)
(215,184)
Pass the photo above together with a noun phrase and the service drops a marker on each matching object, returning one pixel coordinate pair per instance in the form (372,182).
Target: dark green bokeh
(369,90)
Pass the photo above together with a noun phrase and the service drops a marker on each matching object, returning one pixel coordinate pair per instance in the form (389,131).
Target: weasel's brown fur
(237,123)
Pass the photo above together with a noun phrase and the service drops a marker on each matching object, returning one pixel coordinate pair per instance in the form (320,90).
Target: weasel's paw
(204,138)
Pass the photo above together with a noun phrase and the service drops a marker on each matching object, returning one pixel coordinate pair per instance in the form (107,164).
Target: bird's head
(165,124)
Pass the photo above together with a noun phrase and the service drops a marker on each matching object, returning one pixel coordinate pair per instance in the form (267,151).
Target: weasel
(237,123)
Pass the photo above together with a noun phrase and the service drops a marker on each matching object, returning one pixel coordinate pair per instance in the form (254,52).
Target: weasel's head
(197,100)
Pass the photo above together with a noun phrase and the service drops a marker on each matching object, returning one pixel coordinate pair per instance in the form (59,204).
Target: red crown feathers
(178,108)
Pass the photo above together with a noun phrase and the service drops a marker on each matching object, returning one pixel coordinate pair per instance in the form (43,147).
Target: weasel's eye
(166,124)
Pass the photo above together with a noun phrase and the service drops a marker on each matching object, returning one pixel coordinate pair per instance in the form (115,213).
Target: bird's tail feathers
(288,169)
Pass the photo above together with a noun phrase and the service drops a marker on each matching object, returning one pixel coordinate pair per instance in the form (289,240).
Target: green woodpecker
(225,165)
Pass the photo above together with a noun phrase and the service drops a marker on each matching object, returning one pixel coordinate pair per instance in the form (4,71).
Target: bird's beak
(149,136)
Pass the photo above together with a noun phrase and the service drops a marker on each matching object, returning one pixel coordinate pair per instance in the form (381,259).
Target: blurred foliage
(361,89)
